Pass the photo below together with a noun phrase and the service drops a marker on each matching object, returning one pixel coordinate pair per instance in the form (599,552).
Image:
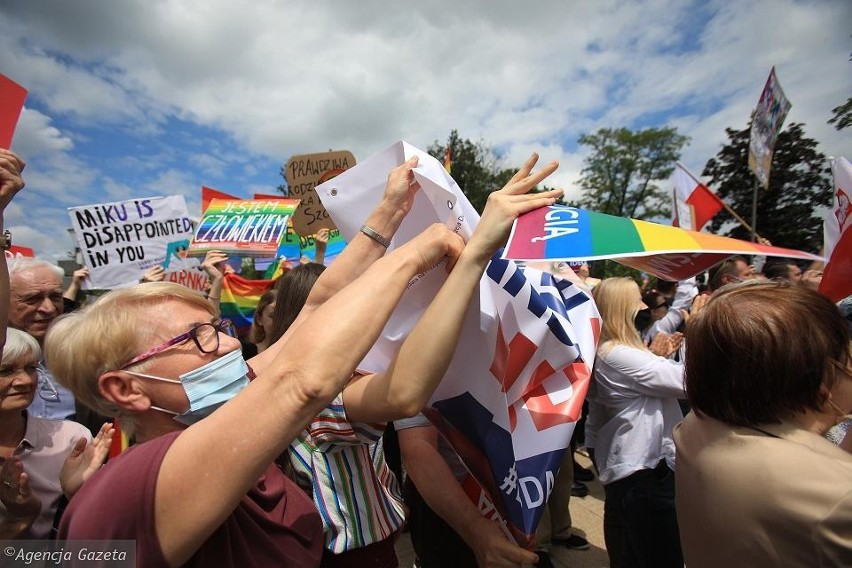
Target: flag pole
(728,208)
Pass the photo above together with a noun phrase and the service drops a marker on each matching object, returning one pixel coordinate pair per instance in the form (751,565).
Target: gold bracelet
(373,234)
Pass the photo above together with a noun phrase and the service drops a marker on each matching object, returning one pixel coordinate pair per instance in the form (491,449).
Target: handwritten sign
(303,173)
(121,240)
(243,228)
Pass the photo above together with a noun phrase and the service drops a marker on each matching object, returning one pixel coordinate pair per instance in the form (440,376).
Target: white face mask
(209,386)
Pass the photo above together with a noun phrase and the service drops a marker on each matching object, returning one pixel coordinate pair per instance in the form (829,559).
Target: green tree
(799,182)
(476,167)
(842,115)
(621,174)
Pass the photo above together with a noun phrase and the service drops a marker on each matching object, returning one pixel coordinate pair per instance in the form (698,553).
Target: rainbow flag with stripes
(569,234)
(239,299)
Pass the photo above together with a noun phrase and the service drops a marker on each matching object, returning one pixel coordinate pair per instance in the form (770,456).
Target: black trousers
(436,544)
(640,522)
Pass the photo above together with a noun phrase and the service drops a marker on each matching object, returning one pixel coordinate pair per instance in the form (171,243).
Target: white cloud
(267,81)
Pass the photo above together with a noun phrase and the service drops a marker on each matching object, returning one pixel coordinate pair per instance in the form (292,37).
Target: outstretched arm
(11,183)
(312,365)
(362,251)
(405,388)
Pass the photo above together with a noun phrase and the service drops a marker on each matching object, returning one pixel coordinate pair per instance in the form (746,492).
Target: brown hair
(761,351)
(293,289)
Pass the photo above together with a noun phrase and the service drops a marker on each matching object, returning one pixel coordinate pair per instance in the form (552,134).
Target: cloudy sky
(158,97)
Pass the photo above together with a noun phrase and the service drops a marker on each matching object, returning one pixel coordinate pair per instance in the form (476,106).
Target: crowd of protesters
(716,415)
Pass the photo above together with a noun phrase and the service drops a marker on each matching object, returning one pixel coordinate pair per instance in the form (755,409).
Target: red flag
(695,204)
(12,97)
(208,194)
(837,277)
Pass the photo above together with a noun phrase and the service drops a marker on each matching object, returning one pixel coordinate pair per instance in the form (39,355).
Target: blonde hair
(618,306)
(101,337)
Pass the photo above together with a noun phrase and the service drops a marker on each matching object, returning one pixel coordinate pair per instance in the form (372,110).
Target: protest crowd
(716,415)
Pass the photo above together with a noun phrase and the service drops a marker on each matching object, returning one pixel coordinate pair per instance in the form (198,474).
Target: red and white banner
(837,277)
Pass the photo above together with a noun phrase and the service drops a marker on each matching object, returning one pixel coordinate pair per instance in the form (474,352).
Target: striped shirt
(343,466)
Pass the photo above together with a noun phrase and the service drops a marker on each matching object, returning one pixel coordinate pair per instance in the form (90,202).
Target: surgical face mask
(209,386)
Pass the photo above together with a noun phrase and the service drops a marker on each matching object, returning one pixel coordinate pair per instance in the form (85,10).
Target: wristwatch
(6,240)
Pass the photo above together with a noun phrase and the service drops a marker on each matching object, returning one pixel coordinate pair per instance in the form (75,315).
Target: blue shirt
(52,400)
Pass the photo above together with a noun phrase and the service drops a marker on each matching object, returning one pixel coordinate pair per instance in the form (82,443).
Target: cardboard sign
(119,241)
(253,228)
(303,173)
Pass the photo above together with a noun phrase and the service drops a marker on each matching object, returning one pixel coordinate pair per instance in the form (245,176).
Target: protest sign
(303,173)
(671,253)
(243,228)
(772,109)
(121,240)
(12,97)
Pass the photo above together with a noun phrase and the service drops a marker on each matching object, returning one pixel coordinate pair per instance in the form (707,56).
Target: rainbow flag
(239,299)
(570,234)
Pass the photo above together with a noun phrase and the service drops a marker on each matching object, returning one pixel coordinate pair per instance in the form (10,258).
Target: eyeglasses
(205,336)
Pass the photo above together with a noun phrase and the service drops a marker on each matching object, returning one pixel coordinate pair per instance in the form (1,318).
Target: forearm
(414,374)
(72,291)
(358,254)
(436,483)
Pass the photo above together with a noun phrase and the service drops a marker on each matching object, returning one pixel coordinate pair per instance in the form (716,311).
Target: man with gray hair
(35,300)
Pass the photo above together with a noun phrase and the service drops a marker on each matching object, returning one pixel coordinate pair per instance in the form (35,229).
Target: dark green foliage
(799,181)
(621,175)
(475,167)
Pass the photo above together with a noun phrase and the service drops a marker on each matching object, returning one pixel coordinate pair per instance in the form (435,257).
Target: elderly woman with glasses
(768,376)
(40,458)
(201,487)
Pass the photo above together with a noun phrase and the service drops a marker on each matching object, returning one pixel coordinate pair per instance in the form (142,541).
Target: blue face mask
(209,386)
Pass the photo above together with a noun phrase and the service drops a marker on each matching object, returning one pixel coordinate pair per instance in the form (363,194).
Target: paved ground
(587,516)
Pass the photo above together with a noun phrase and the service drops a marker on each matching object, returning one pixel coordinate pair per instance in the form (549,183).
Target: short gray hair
(21,263)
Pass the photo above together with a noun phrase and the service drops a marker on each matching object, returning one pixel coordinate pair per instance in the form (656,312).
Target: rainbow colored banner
(570,234)
(239,299)
(243,228)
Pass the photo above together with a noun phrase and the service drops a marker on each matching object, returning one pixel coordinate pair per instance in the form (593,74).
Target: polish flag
(837,277)
(694,203)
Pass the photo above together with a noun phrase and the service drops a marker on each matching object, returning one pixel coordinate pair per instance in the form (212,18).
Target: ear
(123,390)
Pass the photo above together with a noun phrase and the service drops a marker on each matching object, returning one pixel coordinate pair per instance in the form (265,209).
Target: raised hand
(507,204)
(11,182)
(212,264)
(85,459)
(433,245)
(154,274)
(401,186)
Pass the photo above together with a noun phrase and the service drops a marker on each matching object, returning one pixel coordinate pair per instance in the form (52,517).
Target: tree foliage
(842,115)
(476,167)
(621,174)
(799,181)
